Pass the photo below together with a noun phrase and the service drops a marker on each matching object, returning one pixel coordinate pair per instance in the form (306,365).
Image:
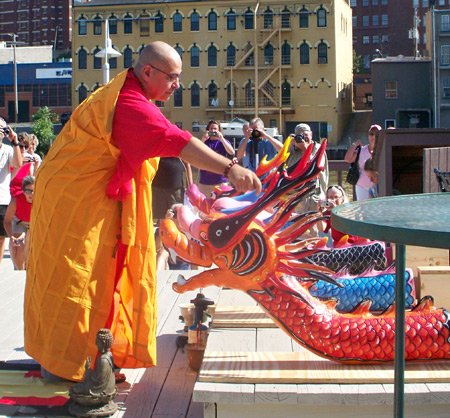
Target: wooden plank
(435,282)
(241,317)
(235,297)
(434,158)
(305,367)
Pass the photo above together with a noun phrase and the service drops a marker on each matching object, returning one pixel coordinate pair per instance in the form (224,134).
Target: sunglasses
(28,191)
(22,146)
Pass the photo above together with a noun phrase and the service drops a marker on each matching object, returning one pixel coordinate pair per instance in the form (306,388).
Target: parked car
(65,117)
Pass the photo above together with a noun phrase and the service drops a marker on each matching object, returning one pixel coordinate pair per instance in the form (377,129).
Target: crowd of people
(88,244)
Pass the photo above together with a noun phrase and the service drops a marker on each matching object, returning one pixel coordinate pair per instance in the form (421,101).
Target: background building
(287,63)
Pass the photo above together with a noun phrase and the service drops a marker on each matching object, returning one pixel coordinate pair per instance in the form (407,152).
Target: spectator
(34,143)
(92,251)
(256,144)
(213,138)
(372,173)
(10,158)
(17,223)
(362,187)
(301,140)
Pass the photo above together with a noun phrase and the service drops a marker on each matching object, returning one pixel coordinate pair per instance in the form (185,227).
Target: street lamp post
(106,53)
(16,95)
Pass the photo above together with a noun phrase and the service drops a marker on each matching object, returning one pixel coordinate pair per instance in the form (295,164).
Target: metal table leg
(399,364)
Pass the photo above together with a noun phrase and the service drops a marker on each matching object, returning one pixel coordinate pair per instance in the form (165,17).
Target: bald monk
(92,258)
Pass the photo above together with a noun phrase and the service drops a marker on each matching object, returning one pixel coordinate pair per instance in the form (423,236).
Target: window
(212,21)
(445,54)
(384,2)
(231,93)
(177,22)
(195,56)
(365,20)
(445,23)
(97,26)
(322,53)
(375,39)
(249,95)
(285,54)
(82,93)
(82,59)
(112,63)
(374,2)
(195,22)
(366,39)
(384,20)
(178,97)
(415,3)
(250,60)
(425,3)
(385,38)
(303,19)
(82,27)
(231,55)
(365,2)
(268,54)
(268,19)
(353,3)
(374,20)
(304,53)
(441,2)
(321,18)
(179,50)
(248,19)
(366,61)
(390,89)
(212,94)
(127,58)
(286,94)
(144,24)
(97,61)
(286,18)
(231,20)
(112,25)
(195,95)
(212,56)
(446,87)
(159,23)
(128,24)
(354,21)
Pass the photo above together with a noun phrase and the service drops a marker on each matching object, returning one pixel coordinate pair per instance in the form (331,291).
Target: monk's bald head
(157,53)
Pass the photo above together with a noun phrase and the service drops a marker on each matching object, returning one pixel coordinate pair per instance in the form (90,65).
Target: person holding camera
(213,138)
(10,157)
(256,144)
(301,140)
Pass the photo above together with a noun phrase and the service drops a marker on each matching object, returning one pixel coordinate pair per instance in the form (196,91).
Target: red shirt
(141,131)
(23,208)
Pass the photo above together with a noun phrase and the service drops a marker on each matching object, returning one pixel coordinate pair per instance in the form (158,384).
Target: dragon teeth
(181,280)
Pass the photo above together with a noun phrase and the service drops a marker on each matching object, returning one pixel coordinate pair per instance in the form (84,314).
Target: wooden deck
(162,391)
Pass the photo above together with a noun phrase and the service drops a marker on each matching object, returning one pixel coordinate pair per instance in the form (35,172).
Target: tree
(42,127)
(357,64)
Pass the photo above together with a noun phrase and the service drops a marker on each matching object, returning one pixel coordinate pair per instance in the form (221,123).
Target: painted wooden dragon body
(256,259)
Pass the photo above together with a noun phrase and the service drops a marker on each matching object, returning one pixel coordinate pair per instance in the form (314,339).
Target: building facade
(38,22)
(286,63)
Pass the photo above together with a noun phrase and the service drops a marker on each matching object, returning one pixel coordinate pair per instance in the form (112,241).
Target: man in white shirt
(10,157)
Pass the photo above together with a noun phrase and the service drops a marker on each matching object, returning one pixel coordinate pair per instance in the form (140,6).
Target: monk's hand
(244,180)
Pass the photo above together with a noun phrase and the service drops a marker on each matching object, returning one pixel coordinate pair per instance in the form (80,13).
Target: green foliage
(357,64)
(42,127)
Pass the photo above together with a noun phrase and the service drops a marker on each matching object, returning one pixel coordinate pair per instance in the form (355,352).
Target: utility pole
(16,95)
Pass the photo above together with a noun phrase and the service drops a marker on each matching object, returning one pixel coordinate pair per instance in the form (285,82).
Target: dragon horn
(227,230)
(282,155)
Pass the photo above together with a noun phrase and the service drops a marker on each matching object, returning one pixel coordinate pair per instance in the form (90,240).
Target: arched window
(97,25)
(231,20)
(250,60)
(128,23)
(159,23)
(286,18)
(195,22)
(322,53)
(177,22)
(321,18)
(303,19)
(97,61)
(285,54)
(212,21)
(195,56)
(248,19)
(286,94)
(195,95)
(82,93)
(212,93)
(127,58)
(144,24)
(304,53)
(82,59)
(82,26)
(268,19)
(268,54)
(112,63)
(179,50)
(112,21)
(249,94)
(178,97)
(212,56)
(231,55)
(231,93)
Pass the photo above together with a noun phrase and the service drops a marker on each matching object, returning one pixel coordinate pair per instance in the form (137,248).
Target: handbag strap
(357,157)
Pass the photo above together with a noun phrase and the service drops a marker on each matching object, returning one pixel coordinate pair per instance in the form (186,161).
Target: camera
(256,134)
(212,133)
(6,131)
(325,204)
(300,137)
